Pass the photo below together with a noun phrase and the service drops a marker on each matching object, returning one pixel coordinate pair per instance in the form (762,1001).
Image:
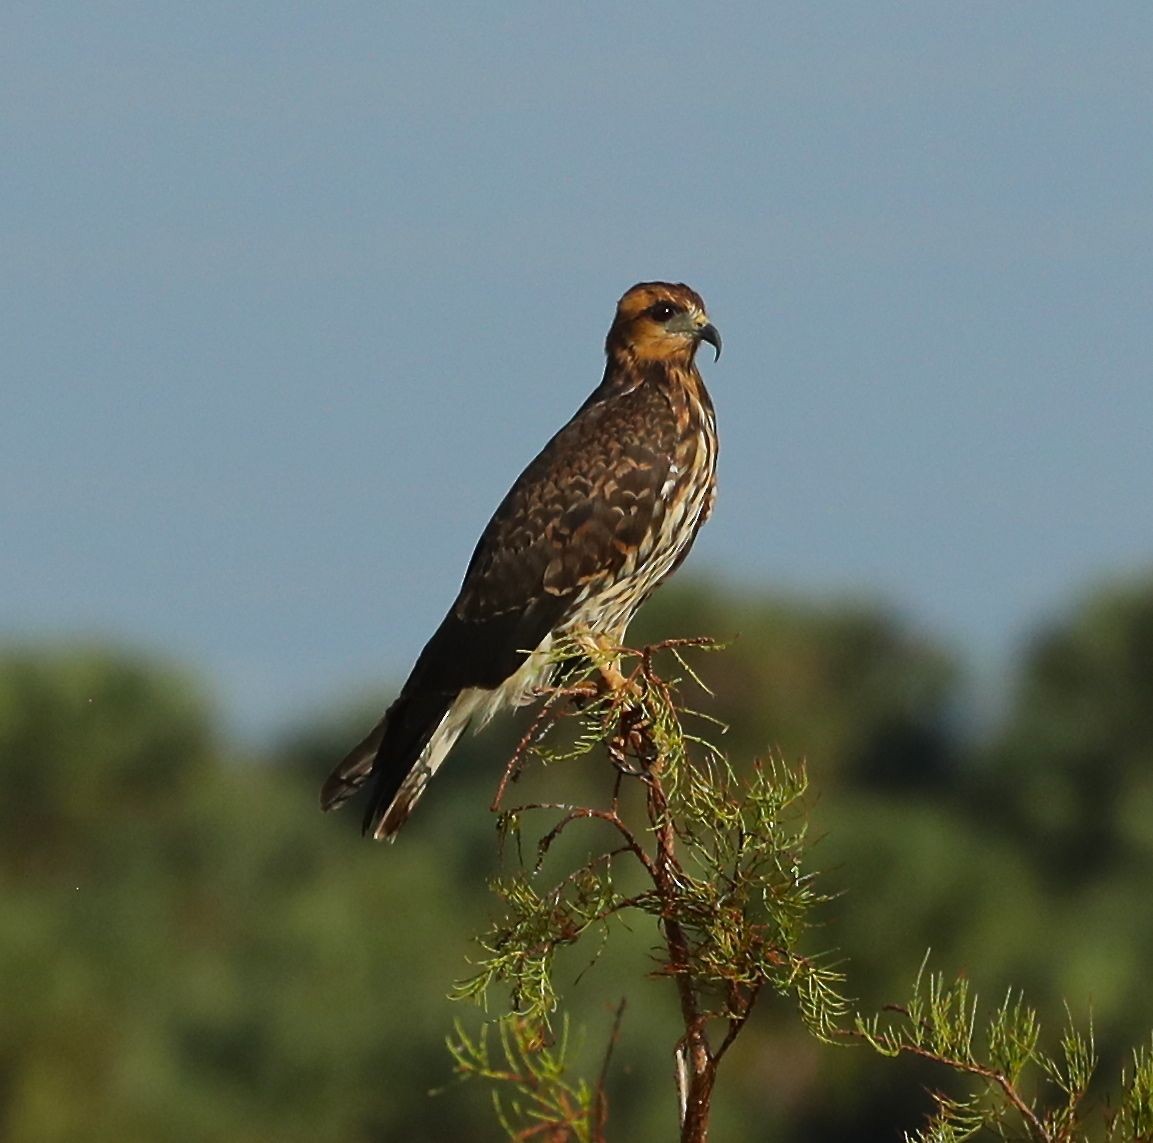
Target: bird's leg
(631,749)
(603,653)
(577,691)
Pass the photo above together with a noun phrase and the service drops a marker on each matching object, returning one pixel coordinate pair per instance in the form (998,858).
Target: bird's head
(660,321)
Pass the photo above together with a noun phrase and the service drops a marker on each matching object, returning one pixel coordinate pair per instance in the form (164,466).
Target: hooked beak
(709,333)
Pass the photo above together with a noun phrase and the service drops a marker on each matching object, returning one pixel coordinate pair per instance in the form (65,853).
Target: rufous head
(661,321)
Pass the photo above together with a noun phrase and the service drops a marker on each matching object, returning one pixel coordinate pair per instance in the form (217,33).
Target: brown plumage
(608,509)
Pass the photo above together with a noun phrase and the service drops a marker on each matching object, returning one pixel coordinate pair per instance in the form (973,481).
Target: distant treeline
(190,951)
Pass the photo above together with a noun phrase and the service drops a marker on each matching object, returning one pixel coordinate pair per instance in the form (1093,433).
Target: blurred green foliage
(190,951)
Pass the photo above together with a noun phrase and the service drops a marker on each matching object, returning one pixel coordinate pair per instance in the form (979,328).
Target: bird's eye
(662,311)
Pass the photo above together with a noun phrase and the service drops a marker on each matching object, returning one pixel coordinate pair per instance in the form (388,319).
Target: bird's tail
(398,757)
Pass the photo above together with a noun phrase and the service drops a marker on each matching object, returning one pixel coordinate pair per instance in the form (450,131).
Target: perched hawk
(608,509)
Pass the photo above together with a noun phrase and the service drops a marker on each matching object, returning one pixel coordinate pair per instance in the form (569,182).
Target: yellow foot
(613,679)
(604,654)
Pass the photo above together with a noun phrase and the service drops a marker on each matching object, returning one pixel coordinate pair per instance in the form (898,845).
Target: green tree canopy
(190,951)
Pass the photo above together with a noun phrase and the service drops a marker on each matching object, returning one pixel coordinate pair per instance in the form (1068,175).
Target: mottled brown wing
(565,530)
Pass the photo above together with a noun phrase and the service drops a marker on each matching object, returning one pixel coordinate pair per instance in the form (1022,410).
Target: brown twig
(745,1003)
(589,813)
(697,1071)
(991,1075)
(542,723)
(602,1104)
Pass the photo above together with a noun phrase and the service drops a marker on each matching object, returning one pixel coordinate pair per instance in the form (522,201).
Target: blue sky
(291,292)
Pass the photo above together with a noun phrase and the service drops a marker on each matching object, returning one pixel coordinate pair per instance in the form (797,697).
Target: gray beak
(709,333)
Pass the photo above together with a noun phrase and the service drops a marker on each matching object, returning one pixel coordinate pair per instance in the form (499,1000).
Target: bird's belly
(609,606)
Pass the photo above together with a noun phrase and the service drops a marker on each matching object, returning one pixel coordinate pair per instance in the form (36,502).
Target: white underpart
(471,704)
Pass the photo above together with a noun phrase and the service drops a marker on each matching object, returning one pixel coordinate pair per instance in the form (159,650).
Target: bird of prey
(606,511)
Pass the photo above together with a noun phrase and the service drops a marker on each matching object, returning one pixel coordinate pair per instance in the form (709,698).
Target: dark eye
(662,311)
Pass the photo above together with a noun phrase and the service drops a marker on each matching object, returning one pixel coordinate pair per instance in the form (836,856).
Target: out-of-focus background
(289,297)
